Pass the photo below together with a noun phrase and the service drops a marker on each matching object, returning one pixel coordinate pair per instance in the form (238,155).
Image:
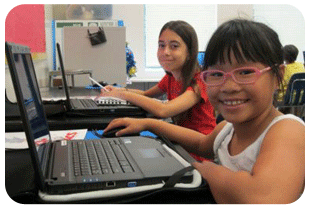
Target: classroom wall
(226,12)
(133,16)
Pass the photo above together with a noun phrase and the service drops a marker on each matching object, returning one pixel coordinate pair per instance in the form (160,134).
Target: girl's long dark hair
(189,36)
(191,66)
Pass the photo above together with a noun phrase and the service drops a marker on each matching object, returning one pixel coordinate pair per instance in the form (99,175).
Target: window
(287,21)
(201,17)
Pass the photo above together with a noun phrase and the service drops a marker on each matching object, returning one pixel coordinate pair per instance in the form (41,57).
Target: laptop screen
(28,98)
(32,103)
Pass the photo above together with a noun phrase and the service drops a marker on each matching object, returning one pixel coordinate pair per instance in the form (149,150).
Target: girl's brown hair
(189,36)
(191,66)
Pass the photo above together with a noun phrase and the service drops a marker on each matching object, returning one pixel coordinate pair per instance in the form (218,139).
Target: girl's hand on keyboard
(113,88)
(115,94)
(131,126)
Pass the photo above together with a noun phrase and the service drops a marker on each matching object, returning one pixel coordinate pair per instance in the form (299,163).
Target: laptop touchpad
(149,153)
(151,157)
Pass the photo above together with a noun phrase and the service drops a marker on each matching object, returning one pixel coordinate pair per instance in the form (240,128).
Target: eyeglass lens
(239,75)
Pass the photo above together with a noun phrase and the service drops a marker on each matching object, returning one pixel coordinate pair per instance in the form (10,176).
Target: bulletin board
(107,60)
(25,24)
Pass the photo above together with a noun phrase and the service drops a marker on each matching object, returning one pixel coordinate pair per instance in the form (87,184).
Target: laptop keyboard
(99,157)
(111,102)
(88,103)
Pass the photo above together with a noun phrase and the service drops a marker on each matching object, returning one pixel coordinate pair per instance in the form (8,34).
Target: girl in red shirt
(188,104)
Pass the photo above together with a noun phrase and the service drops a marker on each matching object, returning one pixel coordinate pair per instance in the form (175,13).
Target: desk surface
(70,72)
(67,120)
(55,92)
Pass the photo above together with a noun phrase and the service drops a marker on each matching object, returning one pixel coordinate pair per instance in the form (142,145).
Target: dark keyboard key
(99,157)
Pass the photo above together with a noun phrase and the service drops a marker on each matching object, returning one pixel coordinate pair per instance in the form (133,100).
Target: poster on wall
(25,25)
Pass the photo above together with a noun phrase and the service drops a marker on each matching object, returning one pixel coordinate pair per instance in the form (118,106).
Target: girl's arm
(163,110)
(152,92)
(191,140)
(277,177)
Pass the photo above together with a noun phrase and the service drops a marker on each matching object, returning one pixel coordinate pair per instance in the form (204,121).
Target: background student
(259,153)
(290,53)
(188,103)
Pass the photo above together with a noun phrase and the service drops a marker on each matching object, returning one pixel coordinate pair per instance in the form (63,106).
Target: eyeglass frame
(258,73)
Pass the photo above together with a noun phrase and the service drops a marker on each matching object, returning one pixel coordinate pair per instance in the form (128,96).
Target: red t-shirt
(201,115)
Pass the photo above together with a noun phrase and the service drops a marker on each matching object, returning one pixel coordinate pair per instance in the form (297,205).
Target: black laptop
(90,106)
(63,167)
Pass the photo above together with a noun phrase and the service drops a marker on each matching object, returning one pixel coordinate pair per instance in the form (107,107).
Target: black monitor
(30,104)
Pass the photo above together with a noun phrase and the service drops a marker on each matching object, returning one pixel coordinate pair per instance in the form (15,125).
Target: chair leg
(303,113)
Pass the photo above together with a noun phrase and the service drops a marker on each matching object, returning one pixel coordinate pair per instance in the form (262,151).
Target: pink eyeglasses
(244,75)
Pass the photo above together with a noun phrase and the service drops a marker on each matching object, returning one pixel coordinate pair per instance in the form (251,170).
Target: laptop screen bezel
(39,163)
(64,80)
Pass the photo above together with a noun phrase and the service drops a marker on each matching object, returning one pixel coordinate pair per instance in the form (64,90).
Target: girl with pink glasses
(259,153)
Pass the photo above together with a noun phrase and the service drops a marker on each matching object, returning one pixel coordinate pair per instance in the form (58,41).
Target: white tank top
(247,158)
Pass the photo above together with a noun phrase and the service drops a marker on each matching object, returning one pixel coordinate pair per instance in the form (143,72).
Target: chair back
(295,92)
(298,92)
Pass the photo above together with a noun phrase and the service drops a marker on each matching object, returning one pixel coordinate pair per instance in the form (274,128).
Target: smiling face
(239,103)
(172,51)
